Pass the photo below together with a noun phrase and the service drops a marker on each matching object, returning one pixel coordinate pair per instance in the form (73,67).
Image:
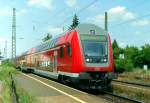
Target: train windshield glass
(94,49)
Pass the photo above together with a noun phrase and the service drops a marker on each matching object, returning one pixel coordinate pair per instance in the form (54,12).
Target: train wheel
(110,88)
(61,79)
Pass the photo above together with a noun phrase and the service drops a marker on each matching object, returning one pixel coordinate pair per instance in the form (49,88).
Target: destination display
(94,37)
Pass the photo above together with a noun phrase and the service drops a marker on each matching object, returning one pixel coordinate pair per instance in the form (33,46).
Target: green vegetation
(75,22)
(4,77)
(47,37)
(137,94)
(137,75)
(6,81)
(126,59)
(24,97)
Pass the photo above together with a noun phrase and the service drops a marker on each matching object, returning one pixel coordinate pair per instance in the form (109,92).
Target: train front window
(95,51)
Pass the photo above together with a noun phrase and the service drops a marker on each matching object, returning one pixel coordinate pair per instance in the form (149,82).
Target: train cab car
(82,56)
(92,60)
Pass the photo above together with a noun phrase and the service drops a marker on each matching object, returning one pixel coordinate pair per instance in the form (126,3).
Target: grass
(141,95)
(24,97)
(4,77)
(137,75)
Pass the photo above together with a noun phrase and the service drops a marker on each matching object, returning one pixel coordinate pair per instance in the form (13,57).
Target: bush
(128,65)
(119,66)
(8,63)
(122,65)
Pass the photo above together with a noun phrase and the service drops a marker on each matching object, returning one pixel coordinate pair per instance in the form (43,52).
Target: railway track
(115,98)
(133,83)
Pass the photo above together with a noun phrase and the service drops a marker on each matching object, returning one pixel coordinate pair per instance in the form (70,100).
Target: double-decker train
(82,56)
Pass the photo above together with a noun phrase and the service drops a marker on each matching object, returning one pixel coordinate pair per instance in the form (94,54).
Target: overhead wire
(78,12)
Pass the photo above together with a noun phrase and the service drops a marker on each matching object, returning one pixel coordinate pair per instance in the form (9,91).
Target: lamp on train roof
(92,32)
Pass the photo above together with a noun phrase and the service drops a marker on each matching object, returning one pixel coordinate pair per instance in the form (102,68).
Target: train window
(52,43)
(48,63)
(61,52)
(92,32)
(69,52)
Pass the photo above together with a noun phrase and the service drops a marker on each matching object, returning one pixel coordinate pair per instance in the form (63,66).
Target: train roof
(46,45)
(90,28)
(81,29)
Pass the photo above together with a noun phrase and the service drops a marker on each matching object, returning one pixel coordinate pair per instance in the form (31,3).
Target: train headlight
(87,60)
(105,60)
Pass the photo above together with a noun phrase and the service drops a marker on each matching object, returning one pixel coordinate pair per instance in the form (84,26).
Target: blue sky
(129,20)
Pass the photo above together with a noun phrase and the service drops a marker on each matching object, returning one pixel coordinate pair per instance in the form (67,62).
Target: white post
(145,67)
(0,62)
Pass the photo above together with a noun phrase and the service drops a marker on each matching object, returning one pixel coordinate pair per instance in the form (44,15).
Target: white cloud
(41,3)
(71,3)
(116,14)
(141,23)
(120,13)
(54,30)
(122,44)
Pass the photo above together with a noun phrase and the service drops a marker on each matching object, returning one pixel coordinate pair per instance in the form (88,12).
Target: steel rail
(122,97)
(132,83)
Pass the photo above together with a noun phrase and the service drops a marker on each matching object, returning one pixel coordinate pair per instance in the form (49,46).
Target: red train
(82,56)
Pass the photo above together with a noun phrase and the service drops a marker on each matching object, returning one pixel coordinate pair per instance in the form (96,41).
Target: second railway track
(134,84)
(115,98)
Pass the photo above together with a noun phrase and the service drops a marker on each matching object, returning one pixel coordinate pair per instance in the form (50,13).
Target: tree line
(130,57)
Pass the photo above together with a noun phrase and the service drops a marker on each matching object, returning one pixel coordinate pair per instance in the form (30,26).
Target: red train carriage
(82,56)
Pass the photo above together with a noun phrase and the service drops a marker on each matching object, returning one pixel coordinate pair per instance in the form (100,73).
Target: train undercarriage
(90,81)
(85,80)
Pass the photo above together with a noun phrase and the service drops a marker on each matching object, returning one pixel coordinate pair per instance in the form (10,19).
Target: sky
(128,20)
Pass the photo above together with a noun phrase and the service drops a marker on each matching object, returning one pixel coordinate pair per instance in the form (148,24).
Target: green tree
(139,61)
(146,54)
(143,58)
(116,50)
(75,22)
(115,44)
(131,53)
(47,37)
(122,65)
(119,65)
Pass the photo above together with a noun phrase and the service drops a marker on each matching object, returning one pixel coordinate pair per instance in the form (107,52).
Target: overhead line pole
(106,22)
(5,50)
(14,34)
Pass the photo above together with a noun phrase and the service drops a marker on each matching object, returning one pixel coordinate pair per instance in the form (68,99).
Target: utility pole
(5,50)
(106,21)
(14,34)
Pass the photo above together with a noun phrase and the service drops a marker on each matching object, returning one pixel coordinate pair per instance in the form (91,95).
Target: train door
(55,61)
